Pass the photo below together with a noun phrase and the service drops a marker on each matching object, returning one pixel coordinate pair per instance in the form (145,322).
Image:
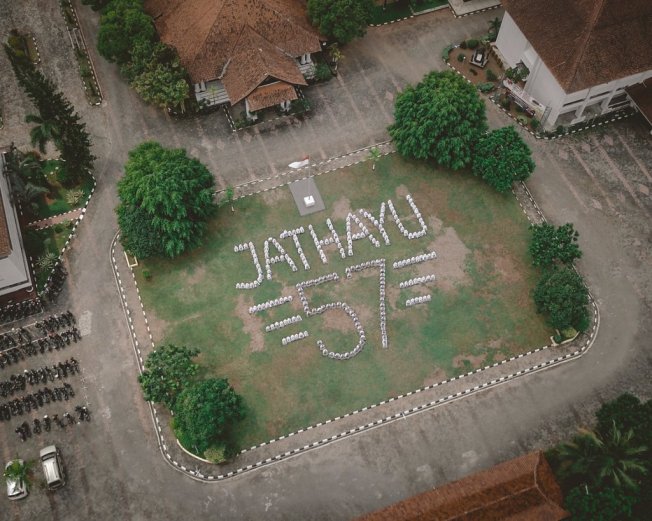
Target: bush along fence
(561,130)
(84,61)
(338,427)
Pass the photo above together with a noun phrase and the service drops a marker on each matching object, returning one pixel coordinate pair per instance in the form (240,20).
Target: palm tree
(494,26)
(612,459)
(374,156)
(44,131)
(19,470)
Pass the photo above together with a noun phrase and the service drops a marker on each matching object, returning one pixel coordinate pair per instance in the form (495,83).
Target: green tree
(164,85)
(561,294)
(24,167)
(611,460)
(96,5)
(168,371)
(123,23)
(138,234)
(341,20)
(145,55)
(628,412)
(502,157)
(440,118)
(43,132)
(550,245)
(19,470)
(204,412)
(174,191)
(494,27)
(607,504)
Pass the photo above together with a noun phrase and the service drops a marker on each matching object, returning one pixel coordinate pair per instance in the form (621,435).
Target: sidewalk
(72,215)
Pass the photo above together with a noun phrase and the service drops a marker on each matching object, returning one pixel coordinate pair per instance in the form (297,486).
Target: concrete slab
(463,8)
(302,191)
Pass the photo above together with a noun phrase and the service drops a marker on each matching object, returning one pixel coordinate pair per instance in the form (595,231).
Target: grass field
(481,309)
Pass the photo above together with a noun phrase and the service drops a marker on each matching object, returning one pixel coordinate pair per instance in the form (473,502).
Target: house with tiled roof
(521,489)
(14,267)
(580,56)
(256,51)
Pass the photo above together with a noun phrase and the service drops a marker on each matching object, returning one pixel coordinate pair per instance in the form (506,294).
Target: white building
(581,54)
(14,268)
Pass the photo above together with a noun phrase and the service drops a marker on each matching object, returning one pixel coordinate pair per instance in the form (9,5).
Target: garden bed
(46,241)
(391,12)
(480,312)
(60,199)
(86,71)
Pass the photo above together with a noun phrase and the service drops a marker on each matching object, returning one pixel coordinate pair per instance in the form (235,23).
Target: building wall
(543,86)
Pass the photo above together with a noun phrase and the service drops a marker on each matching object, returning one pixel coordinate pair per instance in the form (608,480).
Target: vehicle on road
(53,467)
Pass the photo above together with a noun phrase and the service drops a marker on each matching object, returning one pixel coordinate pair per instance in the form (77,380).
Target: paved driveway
(599,181)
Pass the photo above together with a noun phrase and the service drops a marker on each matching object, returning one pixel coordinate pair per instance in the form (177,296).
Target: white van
(53,467)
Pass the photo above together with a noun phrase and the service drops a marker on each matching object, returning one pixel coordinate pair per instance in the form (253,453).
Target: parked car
(55,476)
(16,487)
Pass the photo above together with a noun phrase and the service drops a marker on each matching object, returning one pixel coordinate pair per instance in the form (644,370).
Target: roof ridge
(583,46)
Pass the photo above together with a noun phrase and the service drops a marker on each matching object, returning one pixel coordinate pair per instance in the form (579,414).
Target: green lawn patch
(480,311)
(392,11)
(425,5)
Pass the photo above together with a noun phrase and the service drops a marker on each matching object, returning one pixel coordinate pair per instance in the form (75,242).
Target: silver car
(52,467)
(16,488)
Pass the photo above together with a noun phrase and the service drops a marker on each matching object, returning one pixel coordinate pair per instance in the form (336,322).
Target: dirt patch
(273,196)
(449,265)
(505,267)
(435,226)
(438,375)
(402,191)
(341,208)
(338,320)
(253,325)
(198,274)
(473,361)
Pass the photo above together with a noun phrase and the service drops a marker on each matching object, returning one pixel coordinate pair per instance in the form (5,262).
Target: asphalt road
(114,464)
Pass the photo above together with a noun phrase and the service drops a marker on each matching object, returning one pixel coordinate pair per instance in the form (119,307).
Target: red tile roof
(5,240)
(585,43)
(214,36)
(270,95)
(522,489)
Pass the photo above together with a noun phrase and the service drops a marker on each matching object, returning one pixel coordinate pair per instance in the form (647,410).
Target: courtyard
(480,310)
(598,180)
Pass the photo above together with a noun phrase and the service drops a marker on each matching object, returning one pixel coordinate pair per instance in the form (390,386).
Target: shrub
(506,103)
(472,43)
(147,274)
(463,44)
(445,53)
(47,261)
(534,123)
(522,120)
(473,72)
(216,454)
(491,75)
(74,196)
(461,57)
(562,295)
(486,87)
(560,129)
(322,72)
(519,109)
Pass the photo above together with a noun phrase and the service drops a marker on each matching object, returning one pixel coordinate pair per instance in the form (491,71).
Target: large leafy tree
(173,191)
(341,20)
(550,245)
(561,294)
(440,118)
(204,412)
(168,370)
(123,23)
(96,5)
(607,504)
(502,157)
(164,85)
(610,460)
